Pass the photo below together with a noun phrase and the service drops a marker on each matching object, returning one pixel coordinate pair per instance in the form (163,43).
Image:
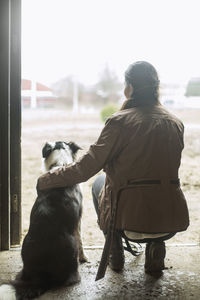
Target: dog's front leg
(82,257)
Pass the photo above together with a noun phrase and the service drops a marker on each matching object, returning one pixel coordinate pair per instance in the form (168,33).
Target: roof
(26,85)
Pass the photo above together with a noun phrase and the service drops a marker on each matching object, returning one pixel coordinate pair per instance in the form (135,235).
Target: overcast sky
(62,37)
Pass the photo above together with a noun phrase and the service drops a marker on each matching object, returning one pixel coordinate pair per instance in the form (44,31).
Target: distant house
(192,93)
(35,94)
(193,88)
(172,95)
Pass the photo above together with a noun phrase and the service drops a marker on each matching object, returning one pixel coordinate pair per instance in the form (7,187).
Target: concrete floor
(180,281)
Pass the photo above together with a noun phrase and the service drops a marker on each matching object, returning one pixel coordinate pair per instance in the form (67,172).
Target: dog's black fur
(50,248)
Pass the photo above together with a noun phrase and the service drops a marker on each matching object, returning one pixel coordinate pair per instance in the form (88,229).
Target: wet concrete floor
(180,281)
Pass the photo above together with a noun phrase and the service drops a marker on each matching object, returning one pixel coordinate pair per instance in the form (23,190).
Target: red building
(35,94)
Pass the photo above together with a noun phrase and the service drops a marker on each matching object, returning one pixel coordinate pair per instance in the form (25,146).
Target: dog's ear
(74,147)
(46,150)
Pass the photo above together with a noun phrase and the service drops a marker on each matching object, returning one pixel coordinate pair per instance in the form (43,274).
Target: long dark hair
(144,79)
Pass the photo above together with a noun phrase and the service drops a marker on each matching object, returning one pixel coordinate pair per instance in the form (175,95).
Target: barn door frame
(10,123)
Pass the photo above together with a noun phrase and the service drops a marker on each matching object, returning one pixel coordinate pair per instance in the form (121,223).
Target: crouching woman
(139,149)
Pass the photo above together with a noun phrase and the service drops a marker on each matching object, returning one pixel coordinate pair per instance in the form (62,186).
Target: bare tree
(108,87)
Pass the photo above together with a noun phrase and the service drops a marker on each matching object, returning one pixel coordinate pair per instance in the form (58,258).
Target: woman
(140,145)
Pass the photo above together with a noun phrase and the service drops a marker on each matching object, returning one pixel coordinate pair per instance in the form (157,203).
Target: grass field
(40,126)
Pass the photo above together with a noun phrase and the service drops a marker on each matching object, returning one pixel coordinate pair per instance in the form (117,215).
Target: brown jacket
(136,144)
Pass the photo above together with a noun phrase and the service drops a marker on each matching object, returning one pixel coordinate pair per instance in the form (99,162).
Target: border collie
(52,246)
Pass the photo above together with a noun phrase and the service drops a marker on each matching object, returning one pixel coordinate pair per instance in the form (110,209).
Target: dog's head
(59,154)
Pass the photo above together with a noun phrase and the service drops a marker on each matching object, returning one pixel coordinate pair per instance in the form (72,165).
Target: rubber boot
(154,257)
(117,259)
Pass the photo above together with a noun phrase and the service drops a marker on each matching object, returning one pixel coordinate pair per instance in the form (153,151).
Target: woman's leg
(155,254)
(154,257)
(116,260)
(96,189)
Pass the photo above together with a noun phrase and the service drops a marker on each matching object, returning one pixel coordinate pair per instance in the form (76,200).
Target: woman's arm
(99,154)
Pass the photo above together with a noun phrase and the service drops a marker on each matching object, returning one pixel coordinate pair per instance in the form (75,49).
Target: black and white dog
(52,246)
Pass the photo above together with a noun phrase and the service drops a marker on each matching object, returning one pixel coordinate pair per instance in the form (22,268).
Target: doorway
(10,123)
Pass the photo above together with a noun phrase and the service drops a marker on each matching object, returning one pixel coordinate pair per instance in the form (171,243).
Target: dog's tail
(21,290)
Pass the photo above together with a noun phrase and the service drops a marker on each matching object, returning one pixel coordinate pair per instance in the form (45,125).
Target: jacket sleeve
(99,154)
